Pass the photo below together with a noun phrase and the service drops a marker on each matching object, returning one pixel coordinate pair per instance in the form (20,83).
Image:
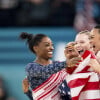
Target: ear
(35,48)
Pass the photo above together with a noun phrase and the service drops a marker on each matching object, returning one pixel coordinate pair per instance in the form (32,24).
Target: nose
(77,45)
(52,48)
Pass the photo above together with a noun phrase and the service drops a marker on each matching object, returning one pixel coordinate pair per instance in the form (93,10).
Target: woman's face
(70,50)
(45,48)
(95,39)
(82,43)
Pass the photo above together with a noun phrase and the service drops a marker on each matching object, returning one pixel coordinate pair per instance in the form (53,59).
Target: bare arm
(95,65)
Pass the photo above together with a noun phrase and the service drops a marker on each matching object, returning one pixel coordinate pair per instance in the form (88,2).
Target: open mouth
(81,51)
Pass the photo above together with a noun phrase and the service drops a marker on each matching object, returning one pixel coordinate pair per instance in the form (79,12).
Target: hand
(94,65)
(25,85)
(73,62)
(70,50)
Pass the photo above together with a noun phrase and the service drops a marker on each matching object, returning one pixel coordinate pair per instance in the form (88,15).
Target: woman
(43,74)
(84,78)
(83,43)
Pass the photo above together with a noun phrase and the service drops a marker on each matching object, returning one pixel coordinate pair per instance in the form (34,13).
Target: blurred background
(59,19)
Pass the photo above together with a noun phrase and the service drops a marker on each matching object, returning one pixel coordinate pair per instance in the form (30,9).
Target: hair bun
(25,35)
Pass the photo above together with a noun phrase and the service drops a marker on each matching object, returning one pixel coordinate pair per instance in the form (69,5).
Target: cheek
(84,46)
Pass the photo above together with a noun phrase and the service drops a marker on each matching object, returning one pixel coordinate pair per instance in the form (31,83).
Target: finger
(76,58)
(73,64)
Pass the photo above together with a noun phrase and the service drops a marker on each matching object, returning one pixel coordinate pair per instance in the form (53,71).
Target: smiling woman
(95,38)
(43,74)
(83,43)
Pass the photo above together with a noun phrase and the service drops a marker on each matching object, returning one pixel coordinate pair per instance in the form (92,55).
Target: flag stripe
(49,89)
(83,82)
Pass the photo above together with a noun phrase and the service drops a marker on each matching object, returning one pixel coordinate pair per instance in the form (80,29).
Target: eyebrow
(47,43)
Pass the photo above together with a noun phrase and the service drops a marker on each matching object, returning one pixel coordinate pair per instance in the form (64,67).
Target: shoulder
(59,62)
(31,65)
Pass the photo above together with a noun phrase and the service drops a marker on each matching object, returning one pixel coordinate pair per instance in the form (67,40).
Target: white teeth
(50,52)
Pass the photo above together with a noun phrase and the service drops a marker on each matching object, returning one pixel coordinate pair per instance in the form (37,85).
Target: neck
(43,61)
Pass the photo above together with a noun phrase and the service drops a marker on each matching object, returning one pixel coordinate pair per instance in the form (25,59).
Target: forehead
(95,31)
(81,37)
(46,40)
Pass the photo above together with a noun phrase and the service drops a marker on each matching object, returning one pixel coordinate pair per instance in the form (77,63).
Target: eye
(91,37)
(47,45)
(82,42)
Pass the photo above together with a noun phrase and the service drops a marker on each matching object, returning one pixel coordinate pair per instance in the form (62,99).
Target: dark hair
(32,40)
(97,27)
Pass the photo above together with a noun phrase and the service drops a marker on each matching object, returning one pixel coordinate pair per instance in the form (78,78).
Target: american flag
(65,91)
(49,90)
(84,82)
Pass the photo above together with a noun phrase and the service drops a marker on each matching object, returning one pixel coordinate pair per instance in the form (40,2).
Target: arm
(29,94)
(26,90)
(95,65)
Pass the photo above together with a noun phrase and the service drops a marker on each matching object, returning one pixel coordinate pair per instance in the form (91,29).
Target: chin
(50,56)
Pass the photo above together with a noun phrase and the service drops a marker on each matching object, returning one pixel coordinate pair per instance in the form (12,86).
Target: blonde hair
(85,32)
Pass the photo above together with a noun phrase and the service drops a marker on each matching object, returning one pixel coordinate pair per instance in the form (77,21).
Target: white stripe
(55,83)
(76,91)
(83,64)
(94,77)
(38,93)
(91,94)
(78,75)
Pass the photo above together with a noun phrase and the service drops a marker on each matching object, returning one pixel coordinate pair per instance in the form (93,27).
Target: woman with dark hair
(43,74)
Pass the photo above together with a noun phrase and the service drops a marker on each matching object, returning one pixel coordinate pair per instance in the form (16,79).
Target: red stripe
(77,82)
(91,86)
(86,54)
(52,82)
(75,98)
